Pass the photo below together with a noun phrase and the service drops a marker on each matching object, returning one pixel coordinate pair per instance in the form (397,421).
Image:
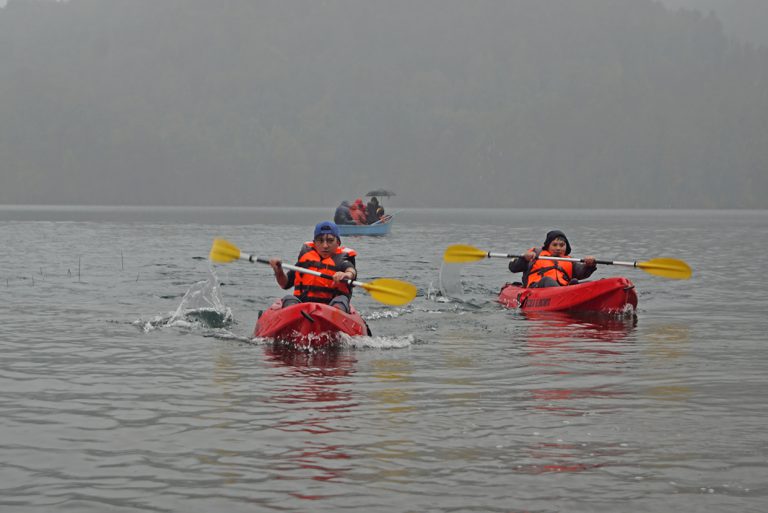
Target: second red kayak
(606,296)
(311,325)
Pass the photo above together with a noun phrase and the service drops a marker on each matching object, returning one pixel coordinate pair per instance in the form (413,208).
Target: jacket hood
(552,235)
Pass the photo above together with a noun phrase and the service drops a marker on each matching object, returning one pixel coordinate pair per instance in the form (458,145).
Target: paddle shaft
(253,258)
(387,217)
(564,259)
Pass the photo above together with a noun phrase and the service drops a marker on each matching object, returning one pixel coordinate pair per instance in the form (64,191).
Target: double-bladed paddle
(666,267)
(384,290)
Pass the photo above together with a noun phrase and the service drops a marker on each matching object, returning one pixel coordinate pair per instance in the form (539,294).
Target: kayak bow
(605,296)
(308,325)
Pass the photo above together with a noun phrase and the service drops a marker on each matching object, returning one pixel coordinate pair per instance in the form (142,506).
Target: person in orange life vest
(326,255)
(539,273)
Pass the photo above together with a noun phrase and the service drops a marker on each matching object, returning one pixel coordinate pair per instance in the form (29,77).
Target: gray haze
(517,103)
(742,19)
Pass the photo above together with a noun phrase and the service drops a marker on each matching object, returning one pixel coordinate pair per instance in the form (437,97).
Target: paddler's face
(326,245)
(557,247)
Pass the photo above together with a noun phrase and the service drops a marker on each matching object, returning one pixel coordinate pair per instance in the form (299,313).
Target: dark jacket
(342,215)
(372,210)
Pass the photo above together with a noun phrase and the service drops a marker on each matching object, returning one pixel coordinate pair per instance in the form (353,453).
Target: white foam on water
(386,314)
(376,342)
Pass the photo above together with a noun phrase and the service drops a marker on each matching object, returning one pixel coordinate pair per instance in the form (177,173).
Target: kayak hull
(613,296)
(309,325)
(381,228)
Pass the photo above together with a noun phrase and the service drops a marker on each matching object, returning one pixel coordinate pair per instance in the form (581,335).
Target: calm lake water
(130,381)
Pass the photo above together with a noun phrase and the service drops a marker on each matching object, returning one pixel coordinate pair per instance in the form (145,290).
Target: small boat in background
(378,228)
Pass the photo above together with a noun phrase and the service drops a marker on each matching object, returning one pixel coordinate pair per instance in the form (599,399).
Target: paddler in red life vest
(538,272)
(326,255)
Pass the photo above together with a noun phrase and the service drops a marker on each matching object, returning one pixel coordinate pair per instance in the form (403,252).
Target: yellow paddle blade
(667,267)
(463,253)
(224,251)
(390,291)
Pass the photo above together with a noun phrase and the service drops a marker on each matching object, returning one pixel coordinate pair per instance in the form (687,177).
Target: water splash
(449,281)
(200,308)
(202,304)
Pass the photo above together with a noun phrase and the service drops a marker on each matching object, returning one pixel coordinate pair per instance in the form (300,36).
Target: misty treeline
(516,103)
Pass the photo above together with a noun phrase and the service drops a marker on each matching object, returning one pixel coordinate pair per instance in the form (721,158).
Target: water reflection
(322,376)
(667,345)
(668,341)
(572,326)
(564,458)
(393,373)
(579,359)
(558,340)
(315,392)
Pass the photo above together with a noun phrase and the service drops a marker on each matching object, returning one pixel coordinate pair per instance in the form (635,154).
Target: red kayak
(606,296)
(308,324)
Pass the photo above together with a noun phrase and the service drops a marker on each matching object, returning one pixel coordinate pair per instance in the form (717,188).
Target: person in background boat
(353,214)
(358,212)
(324,254)
(538,273)
(372,210)
(343,215)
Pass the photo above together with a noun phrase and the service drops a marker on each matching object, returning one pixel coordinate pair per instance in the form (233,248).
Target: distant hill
(524,103)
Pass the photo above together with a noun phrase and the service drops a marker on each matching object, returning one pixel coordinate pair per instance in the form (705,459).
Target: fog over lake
(521,104)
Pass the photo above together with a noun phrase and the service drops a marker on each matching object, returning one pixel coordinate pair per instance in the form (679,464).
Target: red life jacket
(557,270)
(358,213)
(314,288)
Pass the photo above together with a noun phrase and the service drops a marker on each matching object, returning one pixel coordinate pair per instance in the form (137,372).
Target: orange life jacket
(314,288)
(557,270)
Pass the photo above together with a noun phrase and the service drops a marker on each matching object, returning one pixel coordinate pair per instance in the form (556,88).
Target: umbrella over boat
(380,192)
